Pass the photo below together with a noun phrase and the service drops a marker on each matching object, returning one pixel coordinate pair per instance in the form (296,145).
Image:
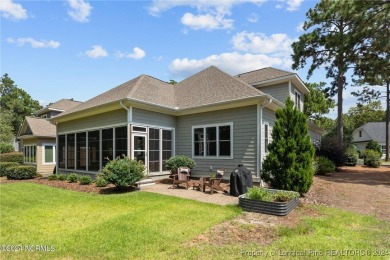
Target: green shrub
(289,164)
(324,165)
(21,172)
(177,161)
(372,158)
(12,157)
(62,177)
(53,177)
(373,145)
(85,180)
(351,156)
(100,182)
(73,177)
(257,193)
(331,149)
(4,166)
(6,147)
(123,172)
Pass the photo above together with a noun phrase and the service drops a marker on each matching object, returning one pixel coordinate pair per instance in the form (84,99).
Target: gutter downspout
(259,150)
(129,111)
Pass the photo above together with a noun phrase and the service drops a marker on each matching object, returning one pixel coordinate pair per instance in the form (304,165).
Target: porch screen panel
(93,151)
(167,146)
(81,151)
(61,151)
(154,150)
(107,145)
(121,141)
(71,142)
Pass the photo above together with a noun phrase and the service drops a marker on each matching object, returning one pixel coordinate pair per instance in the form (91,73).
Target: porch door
(140,148)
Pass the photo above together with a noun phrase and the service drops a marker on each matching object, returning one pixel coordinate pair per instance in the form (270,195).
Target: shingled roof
(207,87)
(40,127)
(143,88)
(60,105)
(264,74)
(211,86)
(376,130)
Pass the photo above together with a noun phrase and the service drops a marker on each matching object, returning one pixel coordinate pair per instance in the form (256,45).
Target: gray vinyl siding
(244,138)
(270,119)
(278,91)
(293,90)
(111,118)
(151,118)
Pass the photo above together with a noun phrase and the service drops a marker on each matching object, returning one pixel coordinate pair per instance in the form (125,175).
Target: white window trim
(24,153)
(299,100)
(44,153)
(204,141)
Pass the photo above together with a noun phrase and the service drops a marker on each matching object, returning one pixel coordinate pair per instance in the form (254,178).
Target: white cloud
(137,54)
(233,63)
(292,5)
(10,10)
(206,22)
(34,43)
(96,52)
(211,14)
(80,10)
(253,18)
(300,27)
(279,44)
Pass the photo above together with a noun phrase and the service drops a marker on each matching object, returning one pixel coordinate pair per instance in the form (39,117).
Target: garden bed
(276,208)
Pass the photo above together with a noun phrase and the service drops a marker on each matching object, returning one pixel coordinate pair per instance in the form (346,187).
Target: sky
(79,49)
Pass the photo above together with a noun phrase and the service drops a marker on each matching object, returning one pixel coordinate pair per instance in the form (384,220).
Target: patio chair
(182,176)
(214,183)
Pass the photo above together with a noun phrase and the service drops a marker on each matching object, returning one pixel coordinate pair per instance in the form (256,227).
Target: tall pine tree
(288,165)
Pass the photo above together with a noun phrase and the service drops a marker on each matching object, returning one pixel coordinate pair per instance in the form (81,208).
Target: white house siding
(244,138)
(108,119)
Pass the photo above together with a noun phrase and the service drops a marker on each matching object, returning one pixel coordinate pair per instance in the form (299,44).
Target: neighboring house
(38,136)
(371,131)
(218,120)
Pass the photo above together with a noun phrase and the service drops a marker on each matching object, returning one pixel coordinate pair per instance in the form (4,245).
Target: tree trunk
(340,86)
(387,120)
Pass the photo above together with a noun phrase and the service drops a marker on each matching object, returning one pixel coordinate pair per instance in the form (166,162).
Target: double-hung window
(298,100)
(266,137)
(213,140)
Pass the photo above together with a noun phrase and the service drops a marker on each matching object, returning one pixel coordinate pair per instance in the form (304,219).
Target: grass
(82,226)
(149,226)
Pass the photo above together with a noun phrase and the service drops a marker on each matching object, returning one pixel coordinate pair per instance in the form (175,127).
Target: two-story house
(38,136)
(217,119)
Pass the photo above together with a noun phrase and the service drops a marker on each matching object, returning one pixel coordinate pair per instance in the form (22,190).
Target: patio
(220,198)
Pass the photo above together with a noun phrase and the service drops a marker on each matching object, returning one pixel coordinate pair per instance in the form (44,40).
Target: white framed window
(139,129)
(213,141)
(48,154)
(383,149)
(266,137)
(360,133)
(29,153)
(298,100)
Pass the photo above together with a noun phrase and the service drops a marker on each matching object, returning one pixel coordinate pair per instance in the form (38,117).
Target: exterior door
(139,148)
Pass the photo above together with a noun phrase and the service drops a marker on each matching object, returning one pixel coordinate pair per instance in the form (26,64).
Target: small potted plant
(269,201)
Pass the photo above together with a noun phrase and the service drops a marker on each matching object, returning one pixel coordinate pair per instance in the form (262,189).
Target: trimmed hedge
(372,158)
(21,172)
(12,157)
(6,147)
(4,166)
(85,180)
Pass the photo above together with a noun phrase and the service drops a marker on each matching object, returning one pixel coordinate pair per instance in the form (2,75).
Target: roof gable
(375,130)
(38,127)
(211,86)
(264,74)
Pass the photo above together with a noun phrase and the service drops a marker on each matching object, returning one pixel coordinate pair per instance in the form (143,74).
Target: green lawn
(150,226)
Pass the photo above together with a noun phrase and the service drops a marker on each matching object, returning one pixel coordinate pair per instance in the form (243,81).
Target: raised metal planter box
(271,208)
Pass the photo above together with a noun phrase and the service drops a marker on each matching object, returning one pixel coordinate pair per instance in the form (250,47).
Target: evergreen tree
(288,165)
